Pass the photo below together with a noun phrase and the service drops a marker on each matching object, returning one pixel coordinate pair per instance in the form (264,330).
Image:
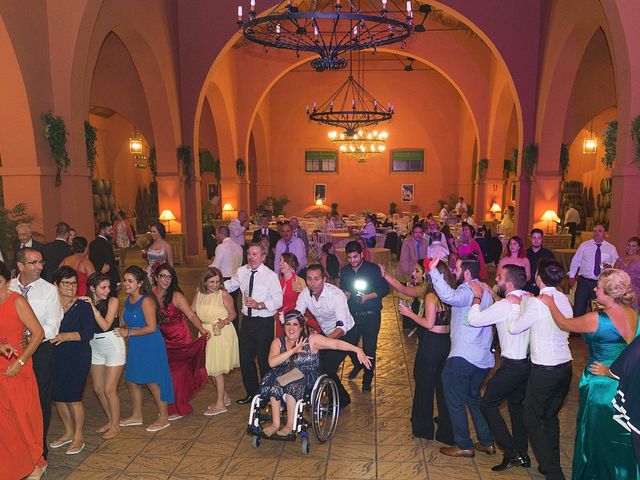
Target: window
(321,161)
(407,161)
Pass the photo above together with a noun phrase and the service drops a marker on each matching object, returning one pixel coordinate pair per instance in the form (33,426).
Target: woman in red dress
(21,419)
(186,357)
(80,262)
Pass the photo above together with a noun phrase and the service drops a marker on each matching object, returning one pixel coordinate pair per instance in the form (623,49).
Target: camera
(359,286)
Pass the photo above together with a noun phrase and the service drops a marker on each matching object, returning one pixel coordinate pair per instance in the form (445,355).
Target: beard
(460,279)
(501,290)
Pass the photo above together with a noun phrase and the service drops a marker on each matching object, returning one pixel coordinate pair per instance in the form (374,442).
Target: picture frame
(407,192)
(319,192)
(513,192)
(213,190)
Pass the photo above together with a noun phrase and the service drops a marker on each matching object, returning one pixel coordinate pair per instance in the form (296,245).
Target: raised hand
(433,264)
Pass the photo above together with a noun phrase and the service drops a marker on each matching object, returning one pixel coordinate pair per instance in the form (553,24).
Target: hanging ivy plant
(483,165)
(529,158)
(55,132)
(474,170)
(240,167)
(186,160)
(564,160)
(90,139)
(152,161)
(514,161)
(506,169)
(610,140)
(635,136)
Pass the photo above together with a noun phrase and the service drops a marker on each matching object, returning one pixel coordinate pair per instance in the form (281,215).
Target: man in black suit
(265,230)
(25,239)
(56,251)
(102,256)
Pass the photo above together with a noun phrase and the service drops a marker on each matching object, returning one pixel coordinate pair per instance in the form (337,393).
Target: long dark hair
(173,286)
(296,315)
(145,288)
(444,269)
(94,280)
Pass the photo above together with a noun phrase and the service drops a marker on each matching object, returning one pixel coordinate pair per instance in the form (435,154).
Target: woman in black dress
(71,360)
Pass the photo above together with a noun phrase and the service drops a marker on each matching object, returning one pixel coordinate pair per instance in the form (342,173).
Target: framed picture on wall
(513,192)
(212,190)
(407,192)
(319,192)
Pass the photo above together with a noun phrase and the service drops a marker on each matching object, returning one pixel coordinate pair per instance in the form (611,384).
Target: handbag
(289,377)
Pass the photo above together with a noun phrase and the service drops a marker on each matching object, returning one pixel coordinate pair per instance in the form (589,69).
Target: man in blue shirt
(365,287)
(469,361)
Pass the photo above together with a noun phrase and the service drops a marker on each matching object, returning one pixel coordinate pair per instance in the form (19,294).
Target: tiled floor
(373,439)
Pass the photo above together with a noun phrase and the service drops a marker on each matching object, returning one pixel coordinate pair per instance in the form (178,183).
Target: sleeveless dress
(306,361)
(603,447)
(20,413)
(72,360)
(155,258)
(222,354)
(82,280)
(186,359)
(146,356)
(633,269)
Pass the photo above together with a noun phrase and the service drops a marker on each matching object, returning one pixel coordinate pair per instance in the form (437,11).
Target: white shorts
(108,349)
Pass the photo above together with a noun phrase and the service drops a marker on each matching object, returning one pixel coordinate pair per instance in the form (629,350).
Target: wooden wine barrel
(606,215)
(599,201)
(100,186)
(94,186)
(607,200)
(112,202)
(105,201)
(97,202)
(107,186)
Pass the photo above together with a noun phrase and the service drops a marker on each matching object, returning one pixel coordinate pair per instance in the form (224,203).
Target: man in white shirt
(290,244)
(262,295)
(444,212)
(45,302)
(238,226)
(368,232)
(328,304)
(228,258)
(461,206)
(550,375)
(592,257)
(509,382)
(572,220)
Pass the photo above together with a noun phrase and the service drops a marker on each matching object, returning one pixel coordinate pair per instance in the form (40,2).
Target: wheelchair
(323,404)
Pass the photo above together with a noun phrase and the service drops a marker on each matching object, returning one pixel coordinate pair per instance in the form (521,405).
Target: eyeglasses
(164,276)
(34,262)
(69,284)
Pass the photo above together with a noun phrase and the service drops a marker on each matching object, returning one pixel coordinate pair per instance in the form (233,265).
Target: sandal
(156,428)
(210,412)
(60,442)
(75,451)
(130,423)
(283,433)
(269,434)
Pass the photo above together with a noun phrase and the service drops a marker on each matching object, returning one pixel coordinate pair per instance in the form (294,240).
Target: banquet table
(564,256)
(340,239)
(377,256)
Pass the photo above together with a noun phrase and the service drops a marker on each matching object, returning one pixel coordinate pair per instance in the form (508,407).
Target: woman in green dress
(603,448)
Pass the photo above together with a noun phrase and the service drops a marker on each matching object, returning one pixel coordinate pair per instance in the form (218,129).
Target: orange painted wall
(429,115)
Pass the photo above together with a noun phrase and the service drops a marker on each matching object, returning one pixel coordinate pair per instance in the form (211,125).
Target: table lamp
(550,216)
(167,216)
(495,209)
(227,210)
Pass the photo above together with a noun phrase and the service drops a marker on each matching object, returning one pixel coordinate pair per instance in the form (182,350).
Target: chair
(380,239)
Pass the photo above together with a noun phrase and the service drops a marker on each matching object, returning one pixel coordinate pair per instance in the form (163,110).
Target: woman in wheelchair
(294,360)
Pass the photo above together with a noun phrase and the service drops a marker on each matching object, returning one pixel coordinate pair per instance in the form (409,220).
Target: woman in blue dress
(296,352)
(603,448)
(147,362)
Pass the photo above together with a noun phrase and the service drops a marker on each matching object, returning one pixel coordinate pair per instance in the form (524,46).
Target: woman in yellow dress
(214,307)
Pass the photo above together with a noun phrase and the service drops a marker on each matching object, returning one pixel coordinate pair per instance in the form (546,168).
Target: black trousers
(508,383)
(583,296)
(256,335)
(367,326)
(427,372)
(546,391)
(330,361)
(635,439)
(43,369)
(573,226)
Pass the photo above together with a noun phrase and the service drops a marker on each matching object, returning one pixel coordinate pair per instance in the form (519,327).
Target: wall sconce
(319,202)
(227,211)
(590,143)
(135,143)
(550,216)
(167,216)
(495,209)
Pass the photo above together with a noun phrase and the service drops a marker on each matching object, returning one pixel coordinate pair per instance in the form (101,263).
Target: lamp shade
(227,207)
(167,215)
(590,145)
(550,216)
(495,208)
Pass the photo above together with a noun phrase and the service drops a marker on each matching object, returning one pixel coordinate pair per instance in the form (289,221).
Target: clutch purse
(291,376)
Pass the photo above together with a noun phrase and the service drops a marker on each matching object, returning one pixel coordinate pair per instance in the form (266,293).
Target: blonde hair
(616,284)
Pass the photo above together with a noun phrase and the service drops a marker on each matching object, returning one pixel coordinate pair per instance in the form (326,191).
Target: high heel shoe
(38,473)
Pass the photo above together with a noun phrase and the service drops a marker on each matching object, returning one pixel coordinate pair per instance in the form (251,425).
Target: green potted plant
(564,160)
(240,167)
(393,208)
(635,136)
(483,165)
(90,139)
(55,132)
(334,209)
(610,140)
(529,158)
(186,160)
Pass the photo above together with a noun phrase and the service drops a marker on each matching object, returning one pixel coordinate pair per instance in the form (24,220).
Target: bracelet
(21,362)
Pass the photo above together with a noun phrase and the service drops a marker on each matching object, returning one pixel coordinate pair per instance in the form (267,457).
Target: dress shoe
(366,388)
(245,400)
(344,402)
(527,461)
(456,451)
(354,372)
(488,449)
(515,460)
(542,472)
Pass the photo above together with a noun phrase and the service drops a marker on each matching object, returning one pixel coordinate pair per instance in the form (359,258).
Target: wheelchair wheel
(306,445)
(325,408)
(255,441)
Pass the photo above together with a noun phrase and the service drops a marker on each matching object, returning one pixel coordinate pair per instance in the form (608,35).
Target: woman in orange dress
(20,413)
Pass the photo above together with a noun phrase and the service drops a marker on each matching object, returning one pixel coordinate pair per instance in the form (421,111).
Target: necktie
(419,247)
(265,232)
(287,248)
(598,259)
(24,291)
(253,274)
(22,245)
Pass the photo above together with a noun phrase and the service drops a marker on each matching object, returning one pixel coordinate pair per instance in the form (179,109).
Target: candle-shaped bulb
(408,6)
(307,109)
(355,31)
(384,4)
(278,29)
(353,103)
(315,30)
(239,12)
(253,4)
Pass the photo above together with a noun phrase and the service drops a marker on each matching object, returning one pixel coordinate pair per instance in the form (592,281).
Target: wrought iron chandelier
(331,28)
(362,145)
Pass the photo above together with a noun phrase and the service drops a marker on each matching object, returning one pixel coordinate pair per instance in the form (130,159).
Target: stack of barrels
(104,202)
(572,194)
(603,203)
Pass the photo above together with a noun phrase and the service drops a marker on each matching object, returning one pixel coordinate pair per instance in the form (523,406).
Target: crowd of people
(61,321)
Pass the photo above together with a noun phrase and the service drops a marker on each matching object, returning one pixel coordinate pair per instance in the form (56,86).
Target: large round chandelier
(362,145)
(331,28)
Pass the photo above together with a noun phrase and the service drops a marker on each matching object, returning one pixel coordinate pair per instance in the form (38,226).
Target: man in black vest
(265,230)
(56,251)
(102,256)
